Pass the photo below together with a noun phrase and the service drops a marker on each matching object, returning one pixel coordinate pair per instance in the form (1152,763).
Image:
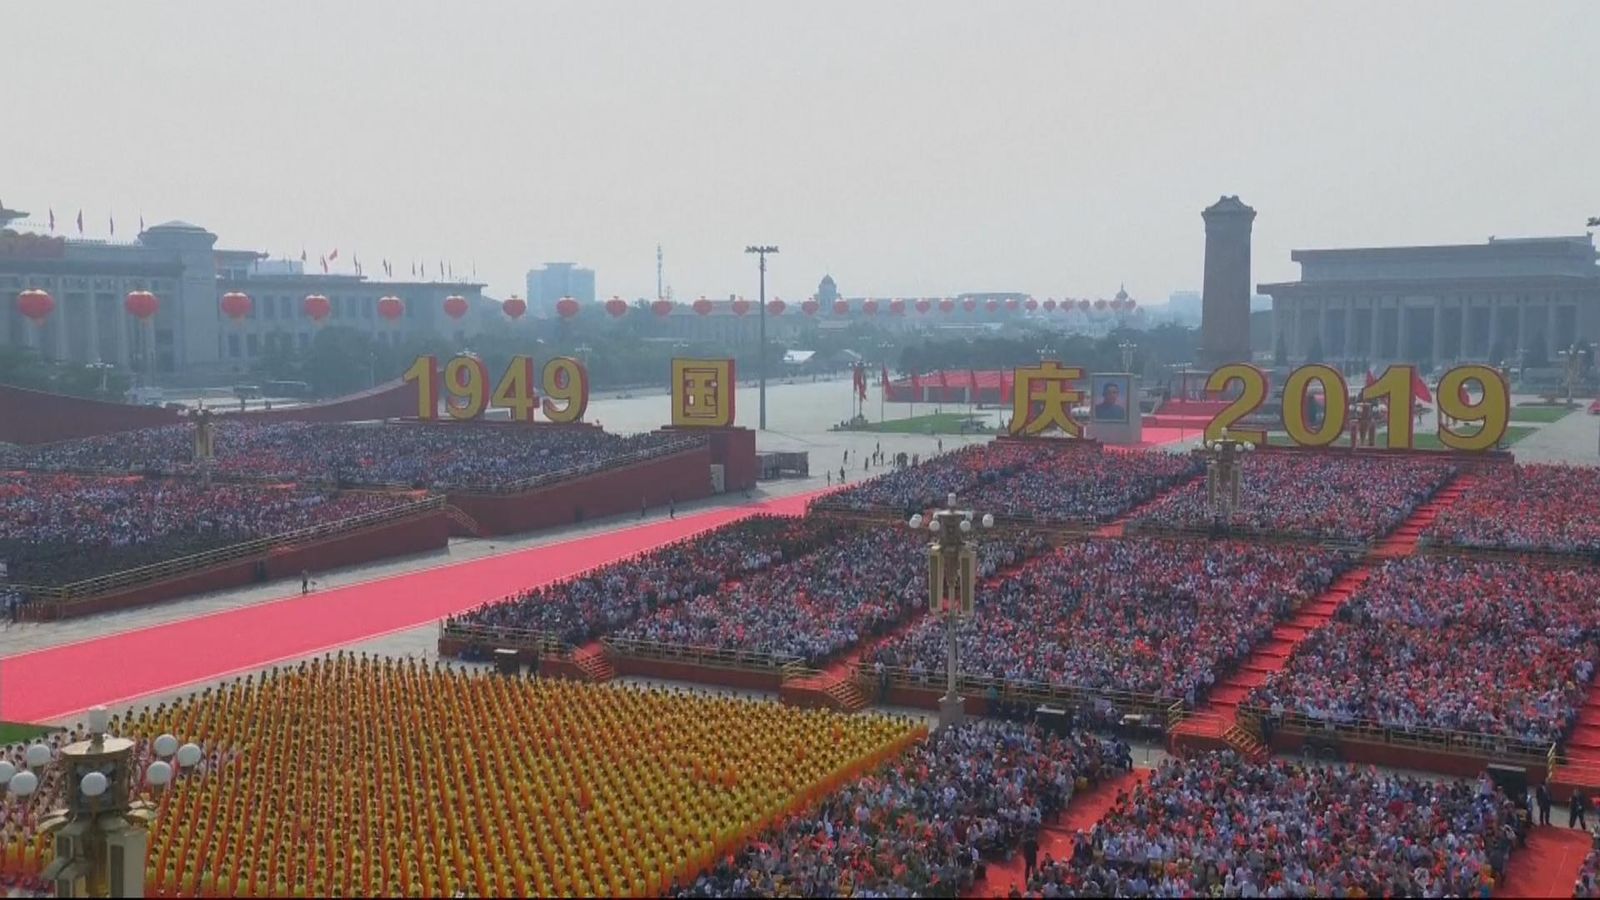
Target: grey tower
(1225,303)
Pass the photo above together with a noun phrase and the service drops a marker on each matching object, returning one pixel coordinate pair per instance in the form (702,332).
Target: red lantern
(992,305)
(455,307)
(923,306)
(512,306)
(36,305)
(740,306)
(810,307)
(1012,304)
(1130,305)
(316,307)
(1100,304)
(969,304)
(1031,304)
(141,304)
(1083,304)
(841,307)
(776,306)
(897,307)
(701,306)
(947,305)
(236,306)
(664,307)
(391,308)
(869,306)
(1049,304)
(566,307)
(617,307)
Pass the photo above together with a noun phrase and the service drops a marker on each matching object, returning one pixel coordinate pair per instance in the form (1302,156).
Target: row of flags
(111,222)
(418,270)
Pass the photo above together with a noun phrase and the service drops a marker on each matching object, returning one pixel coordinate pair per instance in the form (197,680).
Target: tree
(340,360)
(1315,354)
(26,368)
(1280,353)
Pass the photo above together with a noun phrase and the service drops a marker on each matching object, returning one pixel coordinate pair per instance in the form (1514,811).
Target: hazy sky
(911,148)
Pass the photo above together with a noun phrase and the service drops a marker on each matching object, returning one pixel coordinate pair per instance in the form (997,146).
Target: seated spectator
(1165,618)
(921,825)
(915,489)
(1500,649)
(1217,825)
(467,456)
(597,602)
(856,588)
(61,528)
(1526,507)
(1328,496)
(1588,883)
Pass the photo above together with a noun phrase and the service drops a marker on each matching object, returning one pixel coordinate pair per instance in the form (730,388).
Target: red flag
(52,220)
(113,221)
(324,265)
(141,223)
(1371,378)
(944,385)
(916,385)
(973,397)
(80,221)
(302,254)
(1419,388)
(334,255)
(1007,385)
(883,378)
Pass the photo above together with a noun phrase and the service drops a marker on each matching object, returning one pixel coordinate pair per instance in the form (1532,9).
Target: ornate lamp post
(1127,348)
(100,830)
(1224,464)
(952,576)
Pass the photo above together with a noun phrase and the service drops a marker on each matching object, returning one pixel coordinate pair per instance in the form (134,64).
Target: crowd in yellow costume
(355,776)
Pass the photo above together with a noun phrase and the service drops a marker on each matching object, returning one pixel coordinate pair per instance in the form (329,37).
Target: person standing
(305,582)
(1030,856)
(1577,808)
(1542,797)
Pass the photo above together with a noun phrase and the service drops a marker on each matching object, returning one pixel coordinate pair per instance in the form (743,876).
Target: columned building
(190,338)
(1441,305)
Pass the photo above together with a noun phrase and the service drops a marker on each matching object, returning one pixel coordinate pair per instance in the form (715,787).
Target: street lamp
(952,577)
(762,250)
(1224,464)
(101,832)
(1127,348)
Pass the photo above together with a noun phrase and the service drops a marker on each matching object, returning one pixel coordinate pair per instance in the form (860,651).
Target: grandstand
(1358,606)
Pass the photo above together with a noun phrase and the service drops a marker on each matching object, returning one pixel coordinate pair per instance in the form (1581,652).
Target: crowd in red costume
(1526,507)
(1495,648)
(1341,497)
(1167,618)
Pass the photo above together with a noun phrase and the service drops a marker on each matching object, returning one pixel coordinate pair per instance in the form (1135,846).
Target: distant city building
(1440,304)
(1184,306)
(827,291)
(189,338)
(552,281)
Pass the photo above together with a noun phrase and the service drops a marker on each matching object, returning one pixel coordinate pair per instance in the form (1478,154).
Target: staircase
(824,690)
(465,525)
(1403,542)
(592,662)
(1246,744)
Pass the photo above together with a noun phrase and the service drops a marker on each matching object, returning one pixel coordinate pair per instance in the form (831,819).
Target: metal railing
(711,657)
(88,588)
(1433,740)
(1434,547)
(505,637)
(1020,689)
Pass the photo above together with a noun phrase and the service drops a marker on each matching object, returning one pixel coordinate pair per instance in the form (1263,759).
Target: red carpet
(47,685)
(1548,866)
(1056,840)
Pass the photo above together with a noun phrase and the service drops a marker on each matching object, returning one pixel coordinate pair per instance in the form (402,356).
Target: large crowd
(604,599)
(924,824)
(1499,649)
(441,782)
(1042,481)
(1167,618)
(1217,825)
(1525,507)
(1323,496)
(1588,881)
(56,528)
(454,456)
(854,589)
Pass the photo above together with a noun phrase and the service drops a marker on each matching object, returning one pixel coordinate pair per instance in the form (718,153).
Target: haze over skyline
(905,148)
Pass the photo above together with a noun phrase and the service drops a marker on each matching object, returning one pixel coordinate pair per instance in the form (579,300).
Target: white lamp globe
(166,745)
(23,784)
(99,720)
(6,771)
(916,521)
(950,500)
(966,525)
(159,774)
(988,520)
(94,784)
(188,755)
(37,755)
(934,525)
